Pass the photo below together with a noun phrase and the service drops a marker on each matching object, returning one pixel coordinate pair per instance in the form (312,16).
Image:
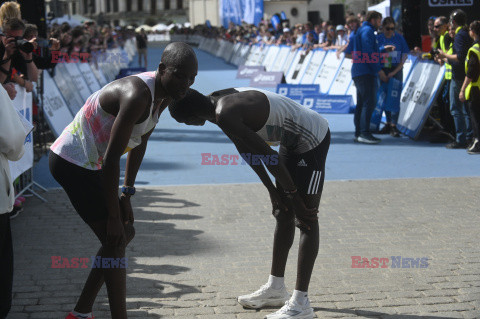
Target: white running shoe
(292,310)
(265,296)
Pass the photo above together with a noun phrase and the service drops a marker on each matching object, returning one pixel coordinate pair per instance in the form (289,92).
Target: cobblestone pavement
(198,247)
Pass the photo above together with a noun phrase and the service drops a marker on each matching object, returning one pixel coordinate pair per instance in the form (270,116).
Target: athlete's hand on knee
(303,214)
(277,202)
(115,232)
(126,210)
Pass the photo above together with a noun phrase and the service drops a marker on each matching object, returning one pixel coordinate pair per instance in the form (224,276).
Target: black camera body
(24,45)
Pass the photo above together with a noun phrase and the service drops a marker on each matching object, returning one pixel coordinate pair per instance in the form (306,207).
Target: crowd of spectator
(21,63)
(24,54)
(455,44)
(451,40)
(325,35)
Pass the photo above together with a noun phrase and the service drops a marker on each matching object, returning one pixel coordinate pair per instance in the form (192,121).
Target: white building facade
(297,11)
(123,12)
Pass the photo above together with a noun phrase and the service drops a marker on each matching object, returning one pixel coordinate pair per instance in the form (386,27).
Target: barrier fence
(317,79)
(63,95)
(335,90)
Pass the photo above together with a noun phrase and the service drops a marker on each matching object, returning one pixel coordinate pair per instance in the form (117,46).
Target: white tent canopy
(173,25)
(147,28)
(160,27)
(72,20)
(383,8)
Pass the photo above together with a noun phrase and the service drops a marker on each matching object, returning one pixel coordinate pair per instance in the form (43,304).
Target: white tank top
(84,141)
(290,124)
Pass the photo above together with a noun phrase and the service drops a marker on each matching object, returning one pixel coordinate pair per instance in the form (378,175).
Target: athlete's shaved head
(177,69)
(177,54)
(194,105)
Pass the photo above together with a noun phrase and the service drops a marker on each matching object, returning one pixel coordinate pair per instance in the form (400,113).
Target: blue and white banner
(23,105)
(297,91)
(329,103)
(328,70)
(236,11)
(55,109)
(267,79)
(281,58)
(418,96)
(313,67)
(247,72)
(298,67)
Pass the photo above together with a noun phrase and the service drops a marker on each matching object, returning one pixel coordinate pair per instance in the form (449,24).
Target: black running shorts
(307,169)
(83,187)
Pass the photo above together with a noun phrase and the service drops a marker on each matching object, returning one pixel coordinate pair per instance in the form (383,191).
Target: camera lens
(23,45)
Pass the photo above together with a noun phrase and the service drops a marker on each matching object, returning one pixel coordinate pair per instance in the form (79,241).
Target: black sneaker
(394,131)
(375,138)
(475,149)
(16,210)
(470,142)
(386,129)
(475,141)
(456,145)
(368,139)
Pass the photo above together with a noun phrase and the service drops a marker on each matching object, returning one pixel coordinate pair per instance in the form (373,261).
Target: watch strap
(128,190)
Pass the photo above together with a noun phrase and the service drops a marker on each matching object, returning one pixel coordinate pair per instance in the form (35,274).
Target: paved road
(198,247)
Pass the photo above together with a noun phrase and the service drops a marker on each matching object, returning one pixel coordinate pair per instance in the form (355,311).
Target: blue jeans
(461,118)
(366,86)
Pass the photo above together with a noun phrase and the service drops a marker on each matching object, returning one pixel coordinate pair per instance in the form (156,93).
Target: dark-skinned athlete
(252,119)
(85,160)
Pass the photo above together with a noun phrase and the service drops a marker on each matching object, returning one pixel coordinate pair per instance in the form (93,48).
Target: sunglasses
(437,26)
(390,29)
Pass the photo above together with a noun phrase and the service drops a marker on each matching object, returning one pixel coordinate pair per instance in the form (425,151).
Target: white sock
(82,315)
(276,282)
(300,297)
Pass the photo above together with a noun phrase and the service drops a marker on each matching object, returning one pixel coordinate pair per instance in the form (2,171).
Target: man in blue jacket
(366,66)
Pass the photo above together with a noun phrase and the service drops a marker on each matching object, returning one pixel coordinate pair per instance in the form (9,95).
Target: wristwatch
(128,190)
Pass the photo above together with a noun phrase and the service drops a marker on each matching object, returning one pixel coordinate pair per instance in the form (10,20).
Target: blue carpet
(174,151)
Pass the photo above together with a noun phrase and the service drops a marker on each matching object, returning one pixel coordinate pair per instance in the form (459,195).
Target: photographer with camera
(16,52)
(42,55)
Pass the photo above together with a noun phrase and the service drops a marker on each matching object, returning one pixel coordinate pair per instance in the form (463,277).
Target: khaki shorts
(142,51)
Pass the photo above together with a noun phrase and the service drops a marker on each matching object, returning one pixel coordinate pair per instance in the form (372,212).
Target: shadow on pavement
(189,135)
(55,229)
(374,314)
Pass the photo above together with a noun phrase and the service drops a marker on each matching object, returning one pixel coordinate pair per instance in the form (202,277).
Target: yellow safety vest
(473,50)
(448,67)
(449,50)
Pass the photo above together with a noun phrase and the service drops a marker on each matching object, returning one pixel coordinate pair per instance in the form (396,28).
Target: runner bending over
(251,118)
(85,160)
